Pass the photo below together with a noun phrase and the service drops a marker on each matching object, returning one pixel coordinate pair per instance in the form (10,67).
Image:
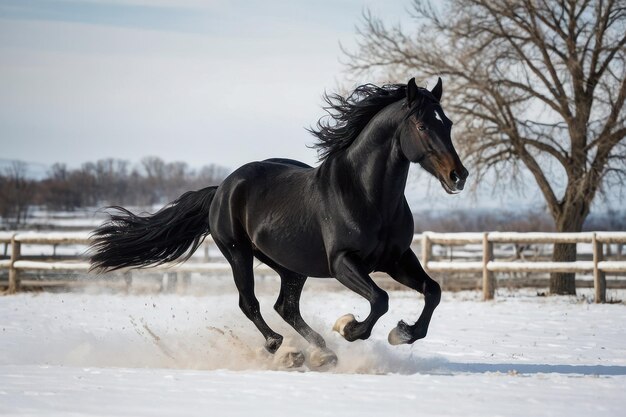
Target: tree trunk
(570,219)
(563,283)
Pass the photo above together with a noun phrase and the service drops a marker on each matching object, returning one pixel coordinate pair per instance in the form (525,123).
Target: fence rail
(488,266)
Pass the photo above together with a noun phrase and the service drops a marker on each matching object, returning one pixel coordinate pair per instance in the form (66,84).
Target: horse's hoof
(291,358)
(342,322)
(273,343)
(322,358)
(400,334)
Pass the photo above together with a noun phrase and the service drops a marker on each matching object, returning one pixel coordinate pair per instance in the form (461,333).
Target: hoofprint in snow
(163,355)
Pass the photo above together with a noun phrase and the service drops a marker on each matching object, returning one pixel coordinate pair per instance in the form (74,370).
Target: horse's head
(425,137)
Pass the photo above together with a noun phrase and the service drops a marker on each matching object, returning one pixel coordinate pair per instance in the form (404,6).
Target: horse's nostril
(454,177)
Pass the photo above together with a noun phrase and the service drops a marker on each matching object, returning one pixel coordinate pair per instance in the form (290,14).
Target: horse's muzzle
(455,182)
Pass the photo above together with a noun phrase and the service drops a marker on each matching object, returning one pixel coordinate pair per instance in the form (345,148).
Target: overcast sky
(197,81)
(213,81)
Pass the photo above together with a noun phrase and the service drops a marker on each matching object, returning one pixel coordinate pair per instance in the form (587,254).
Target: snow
(138,393)
(95,354)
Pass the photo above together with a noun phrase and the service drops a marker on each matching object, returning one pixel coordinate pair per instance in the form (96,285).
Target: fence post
(14,275)
(488,276)
(599,277)
(427,250)
(171,281)
(183,283)
(128,280)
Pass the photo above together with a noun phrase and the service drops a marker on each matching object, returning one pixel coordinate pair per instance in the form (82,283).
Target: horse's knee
(432,292)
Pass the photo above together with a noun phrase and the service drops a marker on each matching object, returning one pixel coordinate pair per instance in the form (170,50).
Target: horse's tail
(128,240)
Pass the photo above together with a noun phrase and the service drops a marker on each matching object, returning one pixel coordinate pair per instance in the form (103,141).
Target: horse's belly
(304,255)
(305,264)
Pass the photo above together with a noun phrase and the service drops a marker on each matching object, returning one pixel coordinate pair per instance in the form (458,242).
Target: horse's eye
(421,127)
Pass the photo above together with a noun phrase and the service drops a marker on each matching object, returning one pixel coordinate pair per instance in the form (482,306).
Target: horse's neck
(376,160)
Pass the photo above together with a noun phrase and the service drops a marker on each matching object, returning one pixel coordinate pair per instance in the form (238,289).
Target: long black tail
(128,240)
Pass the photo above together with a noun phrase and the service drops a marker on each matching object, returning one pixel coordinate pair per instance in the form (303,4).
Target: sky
(198,81)
(216,81)
(213,81)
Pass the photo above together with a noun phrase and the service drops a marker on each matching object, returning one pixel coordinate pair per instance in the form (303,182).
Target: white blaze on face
(438,117)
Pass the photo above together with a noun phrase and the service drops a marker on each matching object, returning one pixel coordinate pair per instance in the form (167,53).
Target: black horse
(343,219)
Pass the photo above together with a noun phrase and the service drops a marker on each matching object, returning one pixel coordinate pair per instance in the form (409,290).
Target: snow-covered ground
(164,355)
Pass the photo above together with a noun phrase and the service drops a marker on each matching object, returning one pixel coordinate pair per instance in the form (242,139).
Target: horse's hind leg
(239,255)
(288,307)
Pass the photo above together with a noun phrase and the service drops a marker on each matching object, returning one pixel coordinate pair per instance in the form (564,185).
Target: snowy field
(84,354)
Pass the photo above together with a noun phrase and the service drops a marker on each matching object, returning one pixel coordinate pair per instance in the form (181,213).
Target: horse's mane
(347,116)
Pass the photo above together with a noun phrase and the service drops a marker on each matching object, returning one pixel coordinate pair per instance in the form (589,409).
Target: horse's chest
(377,240)
(387,250)
(374,246)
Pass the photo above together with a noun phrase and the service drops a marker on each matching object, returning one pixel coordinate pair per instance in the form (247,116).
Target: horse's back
(288,162)
(254,179)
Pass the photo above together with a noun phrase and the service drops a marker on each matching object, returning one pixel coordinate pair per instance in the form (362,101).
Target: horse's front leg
(409,271)
(350,271)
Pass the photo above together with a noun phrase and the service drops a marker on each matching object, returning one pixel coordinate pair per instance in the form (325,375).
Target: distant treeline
(154,182)
(100,183)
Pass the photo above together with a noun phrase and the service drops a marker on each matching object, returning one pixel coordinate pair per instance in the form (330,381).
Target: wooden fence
(598,266)
(17,263)
(487,266)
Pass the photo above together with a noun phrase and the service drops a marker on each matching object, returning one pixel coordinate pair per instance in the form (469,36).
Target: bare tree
(535,84)
(154,168)
(16,192)
(210,175)
(177,176)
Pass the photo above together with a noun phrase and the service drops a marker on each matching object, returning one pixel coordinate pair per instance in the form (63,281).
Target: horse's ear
(438,89)
(411,91)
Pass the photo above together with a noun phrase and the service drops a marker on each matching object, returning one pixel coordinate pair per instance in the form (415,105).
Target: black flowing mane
(348,116)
